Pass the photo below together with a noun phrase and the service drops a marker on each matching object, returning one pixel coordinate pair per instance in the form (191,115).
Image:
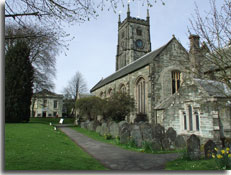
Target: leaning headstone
(193,147)
(124,135)
(93,125)
(209,149)
(180,142)
(122,123)
(146,131)
(136,135)
(114,129)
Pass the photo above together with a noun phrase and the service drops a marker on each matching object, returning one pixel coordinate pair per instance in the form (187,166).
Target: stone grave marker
(209,149)
(193,147)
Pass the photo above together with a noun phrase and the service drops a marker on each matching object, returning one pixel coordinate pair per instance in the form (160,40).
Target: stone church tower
(133,39)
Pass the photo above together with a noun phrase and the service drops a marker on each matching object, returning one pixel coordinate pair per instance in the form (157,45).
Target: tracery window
(140,95)
(175,81)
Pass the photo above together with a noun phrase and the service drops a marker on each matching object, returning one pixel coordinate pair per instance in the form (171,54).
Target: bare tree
(215,31)
(75,87)
(43,50)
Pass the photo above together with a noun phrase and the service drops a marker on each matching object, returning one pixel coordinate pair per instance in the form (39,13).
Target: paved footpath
(116,158)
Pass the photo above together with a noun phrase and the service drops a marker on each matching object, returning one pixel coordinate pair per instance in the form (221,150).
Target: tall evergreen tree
(18,83)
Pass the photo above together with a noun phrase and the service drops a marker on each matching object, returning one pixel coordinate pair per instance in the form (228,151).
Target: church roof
(214,88)
(137,64)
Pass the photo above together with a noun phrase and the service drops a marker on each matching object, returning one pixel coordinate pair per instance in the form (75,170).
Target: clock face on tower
(139,44)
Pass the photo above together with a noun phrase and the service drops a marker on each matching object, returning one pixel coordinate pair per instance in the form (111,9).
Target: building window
(140,95)
(197,121)
(123,88)
(55,104)
(185,121)
(175,81)
(54,114)
(139,32)
(44,103)
(101,94)
(109,92)
(190,118)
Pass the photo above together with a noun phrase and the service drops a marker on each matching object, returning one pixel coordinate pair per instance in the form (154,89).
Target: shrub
(223,158)
(118,106)
(90,106)
(107,136)
(147,146)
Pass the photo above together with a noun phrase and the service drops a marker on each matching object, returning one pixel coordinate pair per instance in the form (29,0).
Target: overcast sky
(93,50)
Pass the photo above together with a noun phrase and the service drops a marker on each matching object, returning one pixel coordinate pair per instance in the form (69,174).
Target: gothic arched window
(101,94)
(175,81)
(140,95)
(110,92)
(190,118)
(123,88)
(197,121)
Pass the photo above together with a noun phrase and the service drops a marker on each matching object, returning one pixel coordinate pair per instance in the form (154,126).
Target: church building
(167,83)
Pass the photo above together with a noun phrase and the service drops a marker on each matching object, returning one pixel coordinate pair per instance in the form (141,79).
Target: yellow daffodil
(227,149)
(213,155)
(229,155)
(219,156)
(215,149)
(222,151)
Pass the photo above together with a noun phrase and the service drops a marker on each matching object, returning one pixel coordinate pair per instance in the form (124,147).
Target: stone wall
(129,81)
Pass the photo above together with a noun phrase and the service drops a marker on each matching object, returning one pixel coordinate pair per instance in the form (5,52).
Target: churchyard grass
(184,164)
(128,146)
(34,146)
(51,119)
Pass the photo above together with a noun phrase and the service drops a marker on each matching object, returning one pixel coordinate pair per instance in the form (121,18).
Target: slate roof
(214,88)
(47,93)
(139,63)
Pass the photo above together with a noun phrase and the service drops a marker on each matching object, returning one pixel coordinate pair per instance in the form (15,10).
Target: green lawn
(34,146)
(50,119)
(183,164)
(98,137)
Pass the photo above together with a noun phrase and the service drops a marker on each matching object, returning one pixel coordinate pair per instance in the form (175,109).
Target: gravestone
(193,147)
(122,124)
(92,125)
(136,135)
(209,149)
(98,129)
(166,144)
(114,129)
(155,145)
(124,134)
(158,133)
(180,142)
(82,125)
(146,131)
(104,129)
(171,135)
